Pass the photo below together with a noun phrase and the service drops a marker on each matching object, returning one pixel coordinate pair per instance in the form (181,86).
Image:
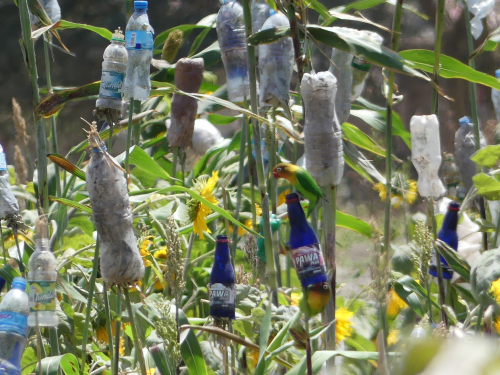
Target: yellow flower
(150,371)
(161,253)
(402,191)
(295,299)
(393,337)
(159,285)
(122,347)
(199,211)
(496,324)
(495,290)
(101,334)
(382,192)
(282,197)
(258,210)
(395,305)
(342,324)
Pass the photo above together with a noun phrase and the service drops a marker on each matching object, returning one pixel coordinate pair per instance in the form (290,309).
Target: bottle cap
(19,283)
(140,5)
(464,120)
(222,238)
(291,198)
(454,206)
(497,73)
(118,36)
(272,12)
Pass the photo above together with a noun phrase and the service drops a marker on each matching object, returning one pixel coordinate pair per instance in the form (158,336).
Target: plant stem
(111,124)
(270,266)
(137,341)
(250,171)
(41,138)
(92,282)
(21,263)
(227,227)
(129,135)
(295,38)
(437,54)
(54,341)
(174,162)
(188,256)
(109,328)
(118,323)
(308,346)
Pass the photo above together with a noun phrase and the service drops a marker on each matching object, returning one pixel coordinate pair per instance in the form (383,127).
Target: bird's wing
(307,182)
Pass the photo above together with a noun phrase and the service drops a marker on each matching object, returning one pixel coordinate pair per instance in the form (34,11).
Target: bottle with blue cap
(447,234)
(14,311)
(9,206)
(233,47)
(465,147)
(222,282)
(139,44)
(114,68)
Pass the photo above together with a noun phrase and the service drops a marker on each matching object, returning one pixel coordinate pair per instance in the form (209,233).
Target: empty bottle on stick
(14,310)
(222,282)
(233,47)
(139,43)
(447,234)
(304,245)
(114,68)
(9,206)
(42,277)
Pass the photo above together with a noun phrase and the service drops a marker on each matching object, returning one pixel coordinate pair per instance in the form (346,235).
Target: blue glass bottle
(222,288)
(447,234)
(304,245)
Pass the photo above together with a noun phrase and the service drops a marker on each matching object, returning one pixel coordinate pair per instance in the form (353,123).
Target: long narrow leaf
(454,259)
(65,164)
(71,203)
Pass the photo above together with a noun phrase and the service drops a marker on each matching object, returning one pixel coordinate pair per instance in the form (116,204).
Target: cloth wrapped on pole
(188,78)
(322,133)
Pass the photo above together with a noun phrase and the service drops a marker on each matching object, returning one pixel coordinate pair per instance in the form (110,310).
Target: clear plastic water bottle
(42,277)
(232,42)
(51,8)
(114,68)
(260,13)
(361,68)
(495,97)
(9,205)
(14,311)
(139,43)
(276,65)
(426,154)
(342,70)
(465,147)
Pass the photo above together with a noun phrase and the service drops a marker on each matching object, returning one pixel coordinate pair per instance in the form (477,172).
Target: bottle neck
(296,215)
(450,220)
(222,253)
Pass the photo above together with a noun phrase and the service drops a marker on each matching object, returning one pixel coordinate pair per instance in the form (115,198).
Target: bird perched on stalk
(315,298)
(301,180)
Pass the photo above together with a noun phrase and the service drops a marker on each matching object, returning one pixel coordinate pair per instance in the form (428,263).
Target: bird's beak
(276,175)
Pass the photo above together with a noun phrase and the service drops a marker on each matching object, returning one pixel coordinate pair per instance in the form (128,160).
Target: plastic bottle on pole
(42,277)
(14,310)
(222,282)
(465,147)
(426,154)
(139,44)
(260,13)
(232,42)
(276,65)
(9,206)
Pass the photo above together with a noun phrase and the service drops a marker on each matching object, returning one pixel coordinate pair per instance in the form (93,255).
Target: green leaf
(489,44)
(454,260)
(354,224)
(65,164)
(410,298)
(354,135)
(202,163)
(210,55)
(139,158)
(7,272)
(487,186)
(197,42)
(216,119)
(59,25)
(186,29)
(190,348)
(320,357)
(66,362)
(450,67)
(264,338)
(71,203)
(412,285)
(367,4)
(53,103)
(487,157)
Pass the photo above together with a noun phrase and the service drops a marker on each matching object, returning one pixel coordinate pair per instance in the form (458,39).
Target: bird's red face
(277,171)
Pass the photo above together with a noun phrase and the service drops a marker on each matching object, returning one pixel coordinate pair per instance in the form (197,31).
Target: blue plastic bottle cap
(272,12)
(139,5)
(464,120)
(497,73)
(19,283)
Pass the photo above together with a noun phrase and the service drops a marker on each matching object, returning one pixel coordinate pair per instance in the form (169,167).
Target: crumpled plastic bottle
(232,42)
(323,148)
(51,8)
(426,154)
(260,13)
(276,65)
(342,70)
(9,206)
(465,147)
(480,9)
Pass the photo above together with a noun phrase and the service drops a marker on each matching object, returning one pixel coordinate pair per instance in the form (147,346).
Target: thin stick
(188,256)
(21,263)
(109,328)
(308,346)
(174,162)
(137,341)
(129,135)
(39,345)
(118,326)
(437,54)
(250,171)
(92,282)
(270,266)
(111,124)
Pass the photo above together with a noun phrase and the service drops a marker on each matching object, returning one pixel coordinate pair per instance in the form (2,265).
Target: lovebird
(301,180)
(315,298)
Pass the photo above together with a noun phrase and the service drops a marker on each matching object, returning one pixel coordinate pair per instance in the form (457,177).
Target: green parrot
(301,180)
(315,298)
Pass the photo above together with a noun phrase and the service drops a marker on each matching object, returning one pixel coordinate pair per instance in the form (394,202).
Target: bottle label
(360,64)
(14,322)
(139,40)
(3,162)
(223,296)
(42,295)
(111,84)
(308,261)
